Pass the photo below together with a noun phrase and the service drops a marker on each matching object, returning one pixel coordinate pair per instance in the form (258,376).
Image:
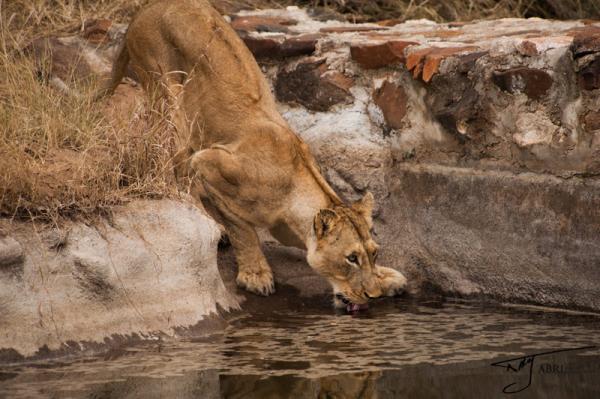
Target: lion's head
(343,251)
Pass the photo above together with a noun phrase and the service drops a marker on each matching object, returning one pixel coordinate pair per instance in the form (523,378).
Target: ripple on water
(319,349)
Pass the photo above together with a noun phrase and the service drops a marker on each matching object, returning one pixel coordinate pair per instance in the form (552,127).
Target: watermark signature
(519,363)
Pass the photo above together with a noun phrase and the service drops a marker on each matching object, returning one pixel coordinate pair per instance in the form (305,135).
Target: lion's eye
(352,258)
(375,253)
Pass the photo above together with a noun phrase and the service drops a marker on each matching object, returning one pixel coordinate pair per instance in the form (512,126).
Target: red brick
(417,70)
(371,56)
(434,59)
(415,57)
(392,100)
(432,65)
(427,61)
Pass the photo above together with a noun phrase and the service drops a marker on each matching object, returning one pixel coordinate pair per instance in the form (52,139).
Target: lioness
(250,166)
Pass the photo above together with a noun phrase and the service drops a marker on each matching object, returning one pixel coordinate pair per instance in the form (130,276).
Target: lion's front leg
(254,273)
(391,281)
(219,171)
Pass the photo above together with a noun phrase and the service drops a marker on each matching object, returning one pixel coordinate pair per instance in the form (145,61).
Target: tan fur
(251,169)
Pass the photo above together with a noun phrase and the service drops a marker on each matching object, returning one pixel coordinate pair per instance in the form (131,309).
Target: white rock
(151,269)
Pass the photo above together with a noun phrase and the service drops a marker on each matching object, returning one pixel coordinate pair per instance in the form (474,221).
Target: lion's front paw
(259,282)
(392,281)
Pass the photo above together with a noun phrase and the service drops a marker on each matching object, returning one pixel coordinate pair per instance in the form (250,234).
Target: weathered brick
(299,45)
(262,47)
(426,62)
(313,86)
(535,83)
(377,55)
(392,100)
(280,46)
(415,57)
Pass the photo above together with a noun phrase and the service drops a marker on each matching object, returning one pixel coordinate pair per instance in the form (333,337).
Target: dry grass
(23,20)
(61,155)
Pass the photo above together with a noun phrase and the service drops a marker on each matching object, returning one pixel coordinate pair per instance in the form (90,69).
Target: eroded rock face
(149,271)
(527,237)
(457,129)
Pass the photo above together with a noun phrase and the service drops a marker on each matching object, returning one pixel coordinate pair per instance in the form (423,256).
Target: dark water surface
(396,349)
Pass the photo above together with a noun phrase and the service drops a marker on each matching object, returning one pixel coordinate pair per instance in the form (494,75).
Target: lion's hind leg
(220,173)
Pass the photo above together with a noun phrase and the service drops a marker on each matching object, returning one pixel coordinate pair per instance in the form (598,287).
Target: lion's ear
(324,222)
(364,206)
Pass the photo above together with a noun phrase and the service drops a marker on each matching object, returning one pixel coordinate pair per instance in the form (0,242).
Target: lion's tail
(118,72)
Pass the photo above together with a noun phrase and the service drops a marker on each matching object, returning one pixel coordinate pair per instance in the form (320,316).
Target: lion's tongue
(354,307)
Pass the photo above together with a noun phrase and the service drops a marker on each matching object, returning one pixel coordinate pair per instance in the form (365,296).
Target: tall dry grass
(23,20)
(61,154)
